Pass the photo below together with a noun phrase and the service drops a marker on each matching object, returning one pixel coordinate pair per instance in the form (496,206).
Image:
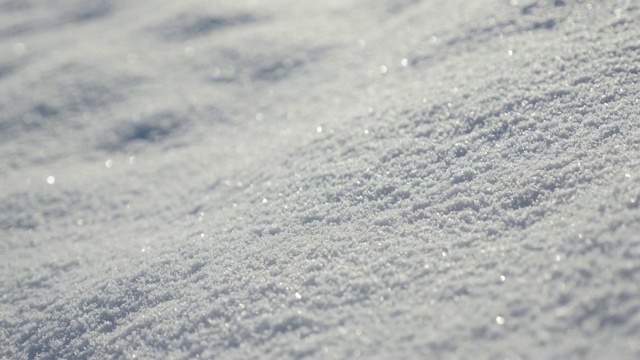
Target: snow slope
(282,179)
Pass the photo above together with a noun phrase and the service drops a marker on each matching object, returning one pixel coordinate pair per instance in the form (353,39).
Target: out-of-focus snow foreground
(328,179)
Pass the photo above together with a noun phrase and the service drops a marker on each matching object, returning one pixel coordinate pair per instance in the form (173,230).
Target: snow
(336,179)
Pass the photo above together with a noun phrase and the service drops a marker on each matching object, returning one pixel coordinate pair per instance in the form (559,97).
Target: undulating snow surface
(319,179)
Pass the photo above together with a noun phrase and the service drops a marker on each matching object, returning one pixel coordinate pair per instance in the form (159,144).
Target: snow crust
(334,179)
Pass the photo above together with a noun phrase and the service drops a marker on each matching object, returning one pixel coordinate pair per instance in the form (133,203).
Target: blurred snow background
(277,179)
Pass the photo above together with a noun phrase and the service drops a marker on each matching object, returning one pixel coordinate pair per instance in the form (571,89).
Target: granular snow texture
(331,179)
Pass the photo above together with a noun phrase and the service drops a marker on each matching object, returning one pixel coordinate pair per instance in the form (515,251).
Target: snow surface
(321,179)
